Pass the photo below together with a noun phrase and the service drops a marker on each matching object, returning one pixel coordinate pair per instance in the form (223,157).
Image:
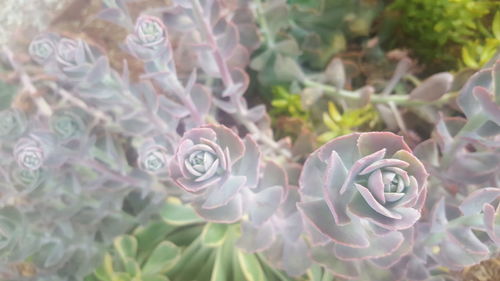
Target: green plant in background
(346,123)
(181,246)
(435,30)
(326,27)
(300,36)
(126,265)
(286,103)
(477,53)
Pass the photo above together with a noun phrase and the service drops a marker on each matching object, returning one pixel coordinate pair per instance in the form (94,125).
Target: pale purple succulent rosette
(13,123)
(154,156)
(149,39)
(361,195)
(214,164)
(29,154)
(43,48)
(76,59)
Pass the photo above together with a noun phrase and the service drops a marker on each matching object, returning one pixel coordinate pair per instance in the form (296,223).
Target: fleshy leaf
(163,257)
(318,213)
(433,87)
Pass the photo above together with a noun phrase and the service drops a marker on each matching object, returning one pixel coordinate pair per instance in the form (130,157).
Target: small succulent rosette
(13,124)
(37,150)
(149,40)
(29,154)
(213,164)
(69,124)
(77,60)
(154,156)
(23,180)
(42,48)
(361,195)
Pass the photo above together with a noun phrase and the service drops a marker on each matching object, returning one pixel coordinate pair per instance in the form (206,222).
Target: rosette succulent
(154,157)
(361,195)
(25,180)
(213,163)
(75,58)
(29,154)
(42,48)
(67,124)
(149,38)
(12,123)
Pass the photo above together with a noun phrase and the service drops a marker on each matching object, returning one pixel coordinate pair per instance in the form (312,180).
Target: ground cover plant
(245,140)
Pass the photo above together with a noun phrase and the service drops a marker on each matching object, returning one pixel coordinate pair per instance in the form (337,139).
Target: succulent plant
(42,48)
(13,123)
(361,194)
(149,39)
(29,154)
(179,167)
(215,164)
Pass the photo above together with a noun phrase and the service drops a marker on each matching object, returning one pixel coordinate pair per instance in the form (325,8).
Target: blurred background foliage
(368,37)
(445,33)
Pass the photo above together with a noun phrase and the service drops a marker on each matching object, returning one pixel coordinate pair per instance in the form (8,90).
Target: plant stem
(376,98)
(227,79)
(111,173)
(261,18)
(28,86)
(99,115)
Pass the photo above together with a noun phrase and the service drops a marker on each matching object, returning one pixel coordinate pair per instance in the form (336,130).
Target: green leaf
(315,273)
(204,273)
(213,234)
(105,271)
(334,112)
(237,271)
(219,271)
(193,258)
(184,236)
(175,213)
(149,236)
(163,258)
(131,267)
(121,276)
(468,59)
(154,278)
(126,246)
(496,25)
(329,122)
(279,103)
(325,137)
(327,276)
(250,266)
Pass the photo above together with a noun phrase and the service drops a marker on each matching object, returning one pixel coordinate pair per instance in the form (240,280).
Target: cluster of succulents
(182,172)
